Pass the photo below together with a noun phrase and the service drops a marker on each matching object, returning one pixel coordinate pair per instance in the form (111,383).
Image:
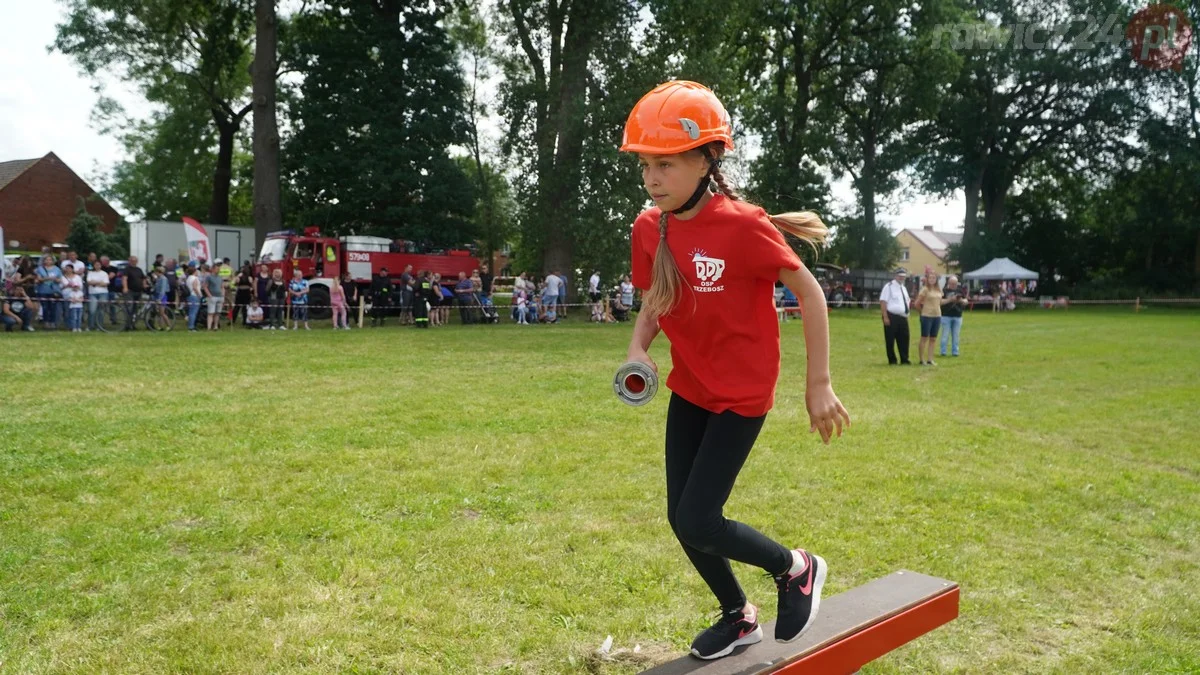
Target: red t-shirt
(724,332)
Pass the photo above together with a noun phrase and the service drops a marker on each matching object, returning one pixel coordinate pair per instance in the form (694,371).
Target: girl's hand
(825,412)
(636,354)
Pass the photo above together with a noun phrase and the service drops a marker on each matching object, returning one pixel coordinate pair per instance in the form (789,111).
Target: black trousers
(379,309)
(896,334)
(705,453)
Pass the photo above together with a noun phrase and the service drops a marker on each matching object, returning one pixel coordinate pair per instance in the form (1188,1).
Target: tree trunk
(867,195)
(995,193)
(971,190)
(268,214)
(1196,268)
(218,210)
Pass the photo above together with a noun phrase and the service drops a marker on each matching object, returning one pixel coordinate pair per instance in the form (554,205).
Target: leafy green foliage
(380,104)
(190,59)
(85,236)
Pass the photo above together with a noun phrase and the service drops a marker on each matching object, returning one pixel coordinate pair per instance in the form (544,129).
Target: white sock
(798,564)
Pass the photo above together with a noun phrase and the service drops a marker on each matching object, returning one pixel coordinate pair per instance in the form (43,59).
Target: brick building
(38,198)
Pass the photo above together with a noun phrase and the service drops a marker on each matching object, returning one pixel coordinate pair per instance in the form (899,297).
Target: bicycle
(145,313)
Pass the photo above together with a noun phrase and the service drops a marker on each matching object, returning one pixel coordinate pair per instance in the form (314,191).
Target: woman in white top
(97,283)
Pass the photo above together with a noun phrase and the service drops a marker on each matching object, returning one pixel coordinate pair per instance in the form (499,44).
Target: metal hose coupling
(635,383)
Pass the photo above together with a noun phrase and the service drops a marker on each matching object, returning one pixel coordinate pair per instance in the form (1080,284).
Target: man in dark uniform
(381,296)
(420,309)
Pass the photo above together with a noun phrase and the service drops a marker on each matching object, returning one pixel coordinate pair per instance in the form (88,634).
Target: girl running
(702,259)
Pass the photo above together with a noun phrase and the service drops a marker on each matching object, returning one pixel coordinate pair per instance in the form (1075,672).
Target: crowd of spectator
(84,295)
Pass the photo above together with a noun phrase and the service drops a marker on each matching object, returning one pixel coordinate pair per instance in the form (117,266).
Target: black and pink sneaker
(799,597)
(733,629)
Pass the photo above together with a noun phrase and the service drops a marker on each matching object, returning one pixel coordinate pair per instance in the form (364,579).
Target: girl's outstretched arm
(825,412)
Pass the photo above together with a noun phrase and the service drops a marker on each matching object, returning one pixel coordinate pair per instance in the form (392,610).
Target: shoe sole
(753,637)
(818,584)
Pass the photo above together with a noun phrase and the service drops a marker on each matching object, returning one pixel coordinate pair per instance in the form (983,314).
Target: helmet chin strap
(703,187)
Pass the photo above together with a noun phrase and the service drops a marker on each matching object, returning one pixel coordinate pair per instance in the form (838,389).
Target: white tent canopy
(1000,269)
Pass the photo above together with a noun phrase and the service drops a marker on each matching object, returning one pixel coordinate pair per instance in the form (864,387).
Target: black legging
(705,452)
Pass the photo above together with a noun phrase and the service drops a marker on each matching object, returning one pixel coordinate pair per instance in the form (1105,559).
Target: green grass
(475,499)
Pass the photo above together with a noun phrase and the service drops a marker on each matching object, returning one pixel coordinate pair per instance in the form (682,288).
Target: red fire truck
(322,259)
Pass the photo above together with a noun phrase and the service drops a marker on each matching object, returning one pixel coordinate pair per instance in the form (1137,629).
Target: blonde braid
(666,279)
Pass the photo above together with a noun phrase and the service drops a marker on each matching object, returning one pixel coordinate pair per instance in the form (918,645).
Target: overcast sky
(46,105)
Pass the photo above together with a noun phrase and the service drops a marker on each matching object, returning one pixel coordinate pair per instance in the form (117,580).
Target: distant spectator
(158,261)
(160,293)
(550,297)
(172,272)
(254,315)
(298,291)
(441,306)
(351,290)
(214,296)
(522,306)
(244,284)
(433,296)
(72,260)
(262,281)
(404,295)
(97,283)
(953,300)
(522,282)
(49,291)
(277,293)
(381,296)
(25,276)
(225,270)
(486,281)
(116,288)
(133,288)
(17,311)
(594,296)
(626,292)
(464,292)
(607,307)
(894,305)
(337,300)
(72,293)
(551,292)
(929,299)
(421,289)
(92,261)
(194,294)
(558,284)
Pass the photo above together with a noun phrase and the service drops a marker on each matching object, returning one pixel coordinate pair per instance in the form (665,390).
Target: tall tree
(774,64)
(1024,97)
(267,210)
(179,53)
(380,105)
(470,33)
(882,89)
(559,105)
(163,175)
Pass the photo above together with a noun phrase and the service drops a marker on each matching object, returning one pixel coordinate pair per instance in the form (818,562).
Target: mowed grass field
(475,499)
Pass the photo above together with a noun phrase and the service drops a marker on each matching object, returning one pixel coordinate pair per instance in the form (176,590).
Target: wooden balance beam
(851,630)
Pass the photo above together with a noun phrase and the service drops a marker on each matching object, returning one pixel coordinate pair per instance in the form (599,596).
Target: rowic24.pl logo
(1158,36)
